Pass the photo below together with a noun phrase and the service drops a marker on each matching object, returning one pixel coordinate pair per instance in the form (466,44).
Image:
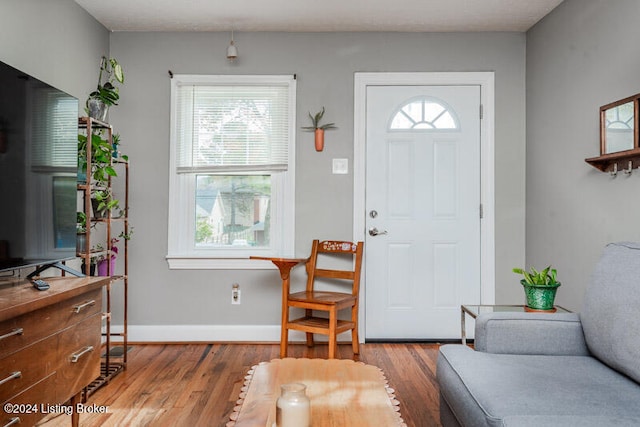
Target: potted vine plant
(539,287)
(103,201)
(101,153)
(81,231)
(318,128)
(107,92)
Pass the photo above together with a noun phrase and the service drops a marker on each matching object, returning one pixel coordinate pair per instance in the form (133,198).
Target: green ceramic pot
(540,297)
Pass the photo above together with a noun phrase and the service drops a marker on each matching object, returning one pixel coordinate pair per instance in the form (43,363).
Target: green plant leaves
(315,121)
(546,277)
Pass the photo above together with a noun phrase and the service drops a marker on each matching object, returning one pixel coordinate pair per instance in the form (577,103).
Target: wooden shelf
(606,162)
(104,235)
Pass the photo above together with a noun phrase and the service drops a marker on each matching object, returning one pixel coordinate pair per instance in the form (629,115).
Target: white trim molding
(486,81)
(212,333)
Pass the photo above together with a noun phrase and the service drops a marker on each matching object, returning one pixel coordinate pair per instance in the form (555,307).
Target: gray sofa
(553,369)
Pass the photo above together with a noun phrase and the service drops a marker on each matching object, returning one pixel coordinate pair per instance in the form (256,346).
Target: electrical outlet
(235,294)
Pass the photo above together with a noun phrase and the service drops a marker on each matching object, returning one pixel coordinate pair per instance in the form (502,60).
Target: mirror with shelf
(618,130)
(619,141)
(618,127)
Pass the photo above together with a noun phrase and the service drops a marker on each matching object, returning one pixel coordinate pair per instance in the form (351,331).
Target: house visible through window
(232,209)
(231,192)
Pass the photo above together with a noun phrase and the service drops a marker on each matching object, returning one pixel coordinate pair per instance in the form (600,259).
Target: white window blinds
(223,127)
(54,129)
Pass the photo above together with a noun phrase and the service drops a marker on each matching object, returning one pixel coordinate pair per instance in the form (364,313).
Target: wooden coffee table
(342,393)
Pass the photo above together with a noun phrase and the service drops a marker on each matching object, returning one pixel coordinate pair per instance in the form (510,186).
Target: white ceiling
(319,15)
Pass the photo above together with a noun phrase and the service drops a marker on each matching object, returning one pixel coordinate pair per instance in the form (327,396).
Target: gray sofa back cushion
(611,313)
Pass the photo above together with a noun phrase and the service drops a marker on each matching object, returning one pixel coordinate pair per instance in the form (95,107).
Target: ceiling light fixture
(232,51)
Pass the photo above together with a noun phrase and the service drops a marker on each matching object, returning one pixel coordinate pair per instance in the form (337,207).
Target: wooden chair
(313,300)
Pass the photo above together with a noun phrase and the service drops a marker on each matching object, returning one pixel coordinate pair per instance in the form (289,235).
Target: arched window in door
(424,114)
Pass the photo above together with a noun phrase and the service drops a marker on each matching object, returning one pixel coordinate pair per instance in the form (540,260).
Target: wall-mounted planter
(318,129)
(319,139)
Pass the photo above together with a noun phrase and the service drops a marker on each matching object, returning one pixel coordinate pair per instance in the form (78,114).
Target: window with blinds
(232,178)
(54,130)
(232,127)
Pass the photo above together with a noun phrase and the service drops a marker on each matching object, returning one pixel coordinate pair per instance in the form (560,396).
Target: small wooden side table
(284,265)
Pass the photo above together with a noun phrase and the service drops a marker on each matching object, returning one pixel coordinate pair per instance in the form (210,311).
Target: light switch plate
(341,166)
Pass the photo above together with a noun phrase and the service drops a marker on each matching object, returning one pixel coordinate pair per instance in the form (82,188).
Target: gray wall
(58,42)
(55,41)
(325,64)
(583,55)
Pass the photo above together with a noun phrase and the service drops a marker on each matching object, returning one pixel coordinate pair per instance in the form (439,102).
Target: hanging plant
(318,128)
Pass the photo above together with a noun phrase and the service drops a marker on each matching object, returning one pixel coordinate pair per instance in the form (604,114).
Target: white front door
(423,197)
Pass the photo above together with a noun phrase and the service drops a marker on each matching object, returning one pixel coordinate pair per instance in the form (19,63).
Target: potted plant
(539,287)
(103,201)
(101,153)
(318,128)
(106,93)
(93,261)
(104,260)
(115,143)
(81,231)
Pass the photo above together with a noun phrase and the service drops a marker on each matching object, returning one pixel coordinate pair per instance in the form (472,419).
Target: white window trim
(178,256)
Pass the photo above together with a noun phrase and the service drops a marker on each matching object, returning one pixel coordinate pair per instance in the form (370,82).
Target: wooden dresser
(49,345)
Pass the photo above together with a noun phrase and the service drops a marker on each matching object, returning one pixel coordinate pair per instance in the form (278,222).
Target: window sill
(202,263)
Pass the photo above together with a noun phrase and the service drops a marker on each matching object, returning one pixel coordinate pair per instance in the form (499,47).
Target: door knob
(373,231)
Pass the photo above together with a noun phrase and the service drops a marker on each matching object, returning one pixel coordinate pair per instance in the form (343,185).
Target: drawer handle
(12,376)
(78,308)
(75,357)
(17,331)
(13,421)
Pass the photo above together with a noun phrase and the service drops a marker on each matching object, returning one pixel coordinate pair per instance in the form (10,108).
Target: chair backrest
(336,248)
(610,318)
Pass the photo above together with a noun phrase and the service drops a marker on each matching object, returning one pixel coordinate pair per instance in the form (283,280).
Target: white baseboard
(213,333)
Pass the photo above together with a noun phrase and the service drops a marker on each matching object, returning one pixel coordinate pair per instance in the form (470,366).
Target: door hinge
(481,211)
(481,111)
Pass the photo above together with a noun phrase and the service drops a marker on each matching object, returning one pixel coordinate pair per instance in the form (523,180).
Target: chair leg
(354,340)
(284,334)
(333,335)
(309,313)
(284,342)
(355,343)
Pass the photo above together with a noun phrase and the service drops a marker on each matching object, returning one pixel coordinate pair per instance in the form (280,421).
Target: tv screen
(38,170)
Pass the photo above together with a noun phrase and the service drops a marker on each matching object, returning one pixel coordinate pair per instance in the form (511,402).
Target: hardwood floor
(198,384)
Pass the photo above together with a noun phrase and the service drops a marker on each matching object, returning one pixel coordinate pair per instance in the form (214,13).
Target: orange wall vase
(319,139)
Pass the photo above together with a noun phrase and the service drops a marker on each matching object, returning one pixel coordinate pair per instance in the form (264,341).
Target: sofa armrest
(557,334)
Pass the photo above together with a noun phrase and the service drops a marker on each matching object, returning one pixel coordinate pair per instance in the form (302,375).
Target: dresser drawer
(23,330)
(24,368)
(31,410)
(79,355)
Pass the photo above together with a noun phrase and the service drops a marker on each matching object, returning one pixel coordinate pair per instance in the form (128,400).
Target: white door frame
(487,176)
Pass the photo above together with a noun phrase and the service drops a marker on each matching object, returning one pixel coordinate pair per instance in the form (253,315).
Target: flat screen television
(38,172)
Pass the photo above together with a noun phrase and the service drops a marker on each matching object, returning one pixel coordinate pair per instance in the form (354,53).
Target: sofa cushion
(485,389)
(610,318)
